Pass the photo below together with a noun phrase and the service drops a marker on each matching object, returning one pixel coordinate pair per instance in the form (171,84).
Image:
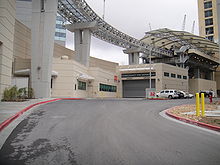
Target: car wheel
(170,97)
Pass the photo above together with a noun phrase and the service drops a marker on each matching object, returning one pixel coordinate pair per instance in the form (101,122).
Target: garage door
(136,88)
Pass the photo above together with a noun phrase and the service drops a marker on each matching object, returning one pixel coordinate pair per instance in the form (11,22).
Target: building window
(207,5)
(166,74)
(208,13)
(211,38)
(208,22)
(173,75)
(81,85)
(209,30)
(185,77)
(179,76)
(107,88)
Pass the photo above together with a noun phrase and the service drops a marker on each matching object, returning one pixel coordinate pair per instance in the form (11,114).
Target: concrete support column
(42,33)
(133,58)
(7,22)
(82,46)
(133,55)
(197,73)
(82,38)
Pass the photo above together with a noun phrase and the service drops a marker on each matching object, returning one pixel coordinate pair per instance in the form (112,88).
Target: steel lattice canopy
(165,38)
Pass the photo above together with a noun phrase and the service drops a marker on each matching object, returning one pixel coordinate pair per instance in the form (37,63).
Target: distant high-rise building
(208,19)
(60,31)
(24,14)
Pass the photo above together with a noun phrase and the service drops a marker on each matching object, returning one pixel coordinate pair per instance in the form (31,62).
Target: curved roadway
(108,132)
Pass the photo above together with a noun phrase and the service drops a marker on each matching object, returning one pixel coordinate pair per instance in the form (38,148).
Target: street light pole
(150,59)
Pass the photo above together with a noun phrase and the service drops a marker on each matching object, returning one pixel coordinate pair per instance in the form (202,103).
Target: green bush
(15,94)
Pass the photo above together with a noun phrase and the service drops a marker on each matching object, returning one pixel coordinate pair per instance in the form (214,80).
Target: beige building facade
(7,21)
(103,78)
(208,19)
(209,26)
(69,78)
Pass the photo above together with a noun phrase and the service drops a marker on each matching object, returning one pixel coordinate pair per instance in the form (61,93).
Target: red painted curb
(200,124)
(158,99)
(9,120)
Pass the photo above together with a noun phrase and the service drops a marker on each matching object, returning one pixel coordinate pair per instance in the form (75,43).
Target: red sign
(152,94)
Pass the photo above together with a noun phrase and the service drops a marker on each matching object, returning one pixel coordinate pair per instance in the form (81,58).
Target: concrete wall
(64,83)
(22,41)
(7,21)
(106,65)
(197,85)
(174,83)
(162,82)
(104,77)
(24,12)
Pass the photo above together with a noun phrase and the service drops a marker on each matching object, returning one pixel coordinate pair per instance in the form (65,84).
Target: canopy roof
(166,38)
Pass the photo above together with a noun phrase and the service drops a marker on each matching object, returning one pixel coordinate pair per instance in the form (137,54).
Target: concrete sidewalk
(8,109)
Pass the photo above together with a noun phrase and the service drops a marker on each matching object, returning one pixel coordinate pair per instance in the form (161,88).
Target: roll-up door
(136,88)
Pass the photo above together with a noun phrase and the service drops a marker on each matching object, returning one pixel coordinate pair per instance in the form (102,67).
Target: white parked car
(188,95)
(169,93)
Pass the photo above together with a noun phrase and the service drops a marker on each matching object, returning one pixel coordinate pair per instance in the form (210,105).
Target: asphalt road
(108,132)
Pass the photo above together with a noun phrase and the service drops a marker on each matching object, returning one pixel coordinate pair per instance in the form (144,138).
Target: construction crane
(150,27)
(103,16)
(184,23)
(193,27)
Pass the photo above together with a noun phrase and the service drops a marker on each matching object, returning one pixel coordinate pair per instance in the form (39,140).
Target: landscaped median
(186,113)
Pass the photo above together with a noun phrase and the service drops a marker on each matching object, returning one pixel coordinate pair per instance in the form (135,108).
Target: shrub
(15,94)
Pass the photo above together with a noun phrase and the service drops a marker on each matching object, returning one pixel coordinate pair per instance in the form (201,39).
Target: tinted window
(208,13)
(208,22)
(166,74)
(208,5)
(209,30)
(184,77)
(173,75)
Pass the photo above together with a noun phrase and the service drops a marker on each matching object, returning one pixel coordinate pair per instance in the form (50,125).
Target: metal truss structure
(78,11)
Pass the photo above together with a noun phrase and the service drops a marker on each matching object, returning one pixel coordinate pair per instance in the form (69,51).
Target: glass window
(208,22)
(107,88)
(59,26)
(179,76)
(173,75)
(81,85)
(185,77)
(162,92)
(211,38)
(208,13)
(209,30)
(171,91)
(166,91)
(166,74)
(208,4)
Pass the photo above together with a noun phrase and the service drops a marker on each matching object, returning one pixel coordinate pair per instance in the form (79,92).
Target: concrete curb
(12,118)
(158,99)
(200,124)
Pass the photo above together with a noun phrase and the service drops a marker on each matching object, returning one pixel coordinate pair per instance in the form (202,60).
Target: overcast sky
(133,18)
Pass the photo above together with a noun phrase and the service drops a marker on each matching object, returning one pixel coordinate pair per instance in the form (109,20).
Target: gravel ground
(180,110)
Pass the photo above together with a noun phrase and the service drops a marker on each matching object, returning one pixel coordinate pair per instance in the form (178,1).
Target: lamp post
(152,45)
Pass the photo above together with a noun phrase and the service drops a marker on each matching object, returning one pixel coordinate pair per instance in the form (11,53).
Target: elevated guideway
(78,11)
